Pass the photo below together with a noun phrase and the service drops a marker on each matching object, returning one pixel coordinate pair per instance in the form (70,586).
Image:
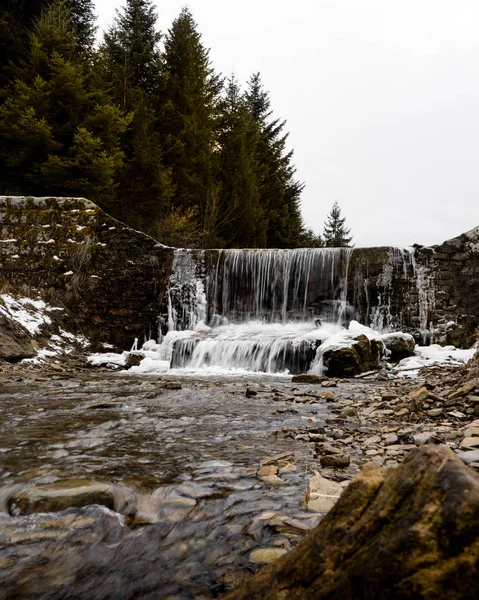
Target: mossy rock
(409,532)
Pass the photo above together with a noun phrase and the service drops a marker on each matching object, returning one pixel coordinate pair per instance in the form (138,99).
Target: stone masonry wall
(114,280)
(110,277)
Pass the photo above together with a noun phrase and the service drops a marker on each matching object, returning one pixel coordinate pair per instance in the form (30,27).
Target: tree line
(142,125)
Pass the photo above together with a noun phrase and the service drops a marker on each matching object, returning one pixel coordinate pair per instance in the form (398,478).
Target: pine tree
(336,234)
(189,115)
(131,62)
(58,134)
(280,191)
(243,222)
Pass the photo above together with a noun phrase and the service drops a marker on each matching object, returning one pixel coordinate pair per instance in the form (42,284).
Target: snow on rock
(31,314)
(400,345)
(238,349)
(35,316)
(427,356)
(107,358)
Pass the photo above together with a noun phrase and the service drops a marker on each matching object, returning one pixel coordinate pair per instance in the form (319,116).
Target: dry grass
(80,282)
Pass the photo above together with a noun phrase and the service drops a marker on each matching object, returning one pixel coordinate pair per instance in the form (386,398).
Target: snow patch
(25,311)
(434,355)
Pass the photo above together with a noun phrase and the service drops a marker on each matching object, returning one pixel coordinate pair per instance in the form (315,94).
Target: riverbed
(185,452)
(115,485)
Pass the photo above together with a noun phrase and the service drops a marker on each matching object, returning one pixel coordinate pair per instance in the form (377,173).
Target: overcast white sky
(381,99)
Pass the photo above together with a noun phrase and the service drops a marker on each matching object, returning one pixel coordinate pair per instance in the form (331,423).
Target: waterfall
(406,295)
(278,285)
(270,310)
(186,291)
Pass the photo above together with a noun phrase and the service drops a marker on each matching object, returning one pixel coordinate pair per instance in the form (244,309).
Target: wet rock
(60,496)
(435,412)
(327,448)
(172,385)
(287,468)
(420,439)
(338,461)
(329,383)
(284,525)
(272,479)
(250,392)
(306,378)
(469,457)
(389,397)
(400,345)
(88,524)
(321,494)
(457,414)
(15,341)
(464,390)
(469,443)
(133,360)
(278,460)
(98,405)
(267,470)
(362,355)
(235,576)
(264,556)
(391,439)
(348,412)
(196,490)
(418,398)
(472,429)
(385,539)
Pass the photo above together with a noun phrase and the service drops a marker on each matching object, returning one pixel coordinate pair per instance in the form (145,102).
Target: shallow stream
(188,508)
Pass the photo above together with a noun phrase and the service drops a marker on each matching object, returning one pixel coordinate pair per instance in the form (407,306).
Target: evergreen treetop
(131,51)
(189,113)
(335,233)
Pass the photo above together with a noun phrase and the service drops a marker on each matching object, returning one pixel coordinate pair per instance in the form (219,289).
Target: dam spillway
(128,283)
(270,310)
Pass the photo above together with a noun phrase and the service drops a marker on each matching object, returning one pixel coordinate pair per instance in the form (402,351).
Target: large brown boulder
(406,532)
(362,355)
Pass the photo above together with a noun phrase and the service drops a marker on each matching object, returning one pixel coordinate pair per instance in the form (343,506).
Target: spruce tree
(243,222)
(58,134)
(131,63)
(84,23)
(308,239)
(336,234)
(280,191)
(189,116)
(131,53)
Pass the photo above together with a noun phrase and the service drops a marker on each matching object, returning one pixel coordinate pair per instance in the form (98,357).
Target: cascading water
(279,285)
(186,291)
(256,310)
(273,310)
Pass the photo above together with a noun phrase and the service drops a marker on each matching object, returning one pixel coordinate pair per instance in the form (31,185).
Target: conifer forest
(141,124)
